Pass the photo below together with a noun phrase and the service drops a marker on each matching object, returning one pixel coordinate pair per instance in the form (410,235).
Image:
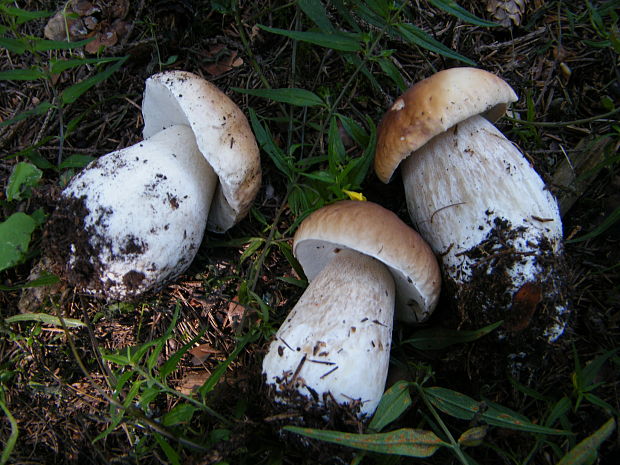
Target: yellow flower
(355,195)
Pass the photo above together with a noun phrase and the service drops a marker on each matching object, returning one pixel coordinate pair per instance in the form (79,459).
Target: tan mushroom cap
(222,133)
(434,105)
(370,229)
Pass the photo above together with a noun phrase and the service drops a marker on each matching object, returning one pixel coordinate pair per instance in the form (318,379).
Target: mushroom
(134,218)
(477,201)
(361,260)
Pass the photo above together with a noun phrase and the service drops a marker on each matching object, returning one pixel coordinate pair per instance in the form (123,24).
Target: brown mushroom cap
(377,232)
(434,105)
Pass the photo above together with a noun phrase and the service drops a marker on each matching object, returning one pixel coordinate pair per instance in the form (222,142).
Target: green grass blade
(450,6)
(45,319)
(339,41)
(440,338)
(265,142)
(23,16)
(392,405)
(16,46)
(12,440)
(171,454)
(58,66)
(608,223)
(498,415)
(72,93)
(44,45)
(22,75)
(417,36)
(406,442)
(40,109)
(583,452)
(292,96)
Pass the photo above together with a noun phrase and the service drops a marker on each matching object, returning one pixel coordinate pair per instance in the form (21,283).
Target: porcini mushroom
(477,201)
(361,260)
(137,215)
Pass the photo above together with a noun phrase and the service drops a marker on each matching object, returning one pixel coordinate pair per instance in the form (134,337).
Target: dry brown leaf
(234,313)
(202,352)
(225,63)
(192,381)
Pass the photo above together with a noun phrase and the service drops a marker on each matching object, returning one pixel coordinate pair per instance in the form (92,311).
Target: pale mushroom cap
(222,134)
(145,213)
(377,232)
(434,105)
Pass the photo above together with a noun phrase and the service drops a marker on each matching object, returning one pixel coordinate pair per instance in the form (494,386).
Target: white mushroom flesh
(336,340)
(147,210)
(463,184)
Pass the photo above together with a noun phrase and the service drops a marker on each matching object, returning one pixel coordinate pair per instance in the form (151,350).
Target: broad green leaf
(582,452)
(46,279)
(561,408)
(415,35)
(45,319)
(394,402)
(316,12)
(450,6)
(23,177)
(336,41)
(148,395)
(292,96)
(322,176)
(406,442)
(439,338)
(72,93)
(473,436)
(76,161)
(392,71)
(15,234)
(461,406)
(253,246)
(452,403)
(22,75)
(353,129)
(604,226)
(181,413)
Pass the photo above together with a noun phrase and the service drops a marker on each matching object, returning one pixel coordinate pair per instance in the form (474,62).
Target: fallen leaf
(192,381)
(201,353)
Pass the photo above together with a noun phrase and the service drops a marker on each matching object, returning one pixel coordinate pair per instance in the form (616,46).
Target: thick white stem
(471,182)
(147,211)
(337,338)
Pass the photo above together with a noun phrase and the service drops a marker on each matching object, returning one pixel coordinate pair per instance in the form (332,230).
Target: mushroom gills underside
(143,212)
(488,215)
(336,340)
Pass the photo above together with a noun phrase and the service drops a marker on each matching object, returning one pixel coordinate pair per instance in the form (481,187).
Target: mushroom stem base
(336,340)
